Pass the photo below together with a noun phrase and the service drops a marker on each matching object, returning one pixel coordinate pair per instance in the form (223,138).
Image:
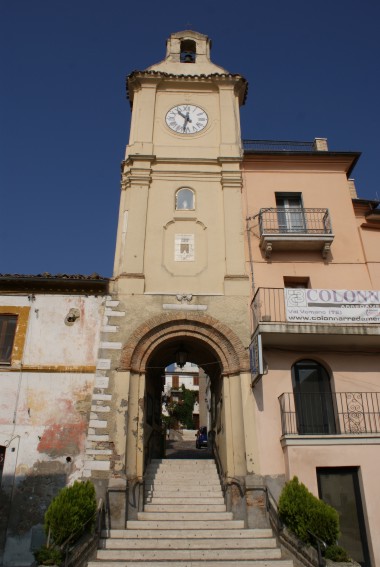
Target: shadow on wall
(22,509)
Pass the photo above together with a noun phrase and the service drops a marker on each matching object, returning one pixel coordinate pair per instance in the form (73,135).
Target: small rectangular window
(294,282)
(195,380)
(8,324)
(175,382)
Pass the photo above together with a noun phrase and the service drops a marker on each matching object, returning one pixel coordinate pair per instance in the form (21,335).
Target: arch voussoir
(154,332)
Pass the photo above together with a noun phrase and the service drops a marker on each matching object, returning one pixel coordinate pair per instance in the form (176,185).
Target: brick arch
(147,338)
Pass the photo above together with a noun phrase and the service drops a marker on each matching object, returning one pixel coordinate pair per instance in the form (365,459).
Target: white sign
(332,305)
(184,248)
(256,357)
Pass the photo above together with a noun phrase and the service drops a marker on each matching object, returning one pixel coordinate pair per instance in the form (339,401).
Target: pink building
(314,258)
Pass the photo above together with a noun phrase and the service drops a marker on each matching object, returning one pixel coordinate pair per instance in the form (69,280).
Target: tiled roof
(54,283)
(47,275)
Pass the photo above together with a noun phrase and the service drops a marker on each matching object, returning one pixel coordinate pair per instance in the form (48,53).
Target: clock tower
(185,133)
(180,283)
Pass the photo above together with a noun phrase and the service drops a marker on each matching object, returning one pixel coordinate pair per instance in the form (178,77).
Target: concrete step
(182,462)
(187,554)
(218,563)
(186,524)
(183,516)
(179,469)
(187,543)
(175,507)
(180,500)
(181,480)
(161,487)
(190,533)
(179,465)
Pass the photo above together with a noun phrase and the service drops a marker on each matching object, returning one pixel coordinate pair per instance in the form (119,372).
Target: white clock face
(186,119)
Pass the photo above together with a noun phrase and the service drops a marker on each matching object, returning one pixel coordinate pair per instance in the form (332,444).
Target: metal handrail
(80,552)
(294,220)
(319,542)
(279,145)
(224,479)
(330,413)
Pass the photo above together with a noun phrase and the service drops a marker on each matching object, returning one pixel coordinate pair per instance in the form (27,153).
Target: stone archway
(154,332)
(211,344)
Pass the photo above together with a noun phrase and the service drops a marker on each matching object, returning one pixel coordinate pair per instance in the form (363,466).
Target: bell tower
(185,135)
(179,276)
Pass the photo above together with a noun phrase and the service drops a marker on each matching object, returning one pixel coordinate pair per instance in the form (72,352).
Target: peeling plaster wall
(45,406)
(53,342)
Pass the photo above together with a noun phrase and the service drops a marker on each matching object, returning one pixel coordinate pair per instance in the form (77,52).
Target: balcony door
(290,213)
(313,399)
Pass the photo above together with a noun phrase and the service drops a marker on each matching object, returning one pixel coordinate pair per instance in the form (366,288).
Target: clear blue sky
(313,70)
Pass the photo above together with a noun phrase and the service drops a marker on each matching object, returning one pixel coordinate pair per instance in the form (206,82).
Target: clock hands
(186,117)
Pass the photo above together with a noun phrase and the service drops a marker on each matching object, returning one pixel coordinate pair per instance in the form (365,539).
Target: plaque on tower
(184,248)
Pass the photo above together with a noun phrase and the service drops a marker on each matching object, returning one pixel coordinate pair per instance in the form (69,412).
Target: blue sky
(313,71)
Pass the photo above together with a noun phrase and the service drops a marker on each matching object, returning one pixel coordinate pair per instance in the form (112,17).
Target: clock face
(186,119)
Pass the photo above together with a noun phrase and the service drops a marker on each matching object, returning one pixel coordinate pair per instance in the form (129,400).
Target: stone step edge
(186,563)
(193,533)
(189,554)
(188,543)
(186,524)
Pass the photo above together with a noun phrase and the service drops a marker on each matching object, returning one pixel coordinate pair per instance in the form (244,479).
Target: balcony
(295,229)
(317,145)
(285,318)
(333,413)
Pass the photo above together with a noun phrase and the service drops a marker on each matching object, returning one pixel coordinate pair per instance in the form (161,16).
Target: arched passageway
(210,345)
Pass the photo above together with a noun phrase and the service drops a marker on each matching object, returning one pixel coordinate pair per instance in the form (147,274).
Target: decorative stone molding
(184,297)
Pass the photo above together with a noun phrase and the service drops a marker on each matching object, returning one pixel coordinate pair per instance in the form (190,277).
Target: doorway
(340,488)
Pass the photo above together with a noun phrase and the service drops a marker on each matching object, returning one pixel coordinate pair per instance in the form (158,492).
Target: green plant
(71,513)
(301,511)
(48,555)
(337,553)
(183,410)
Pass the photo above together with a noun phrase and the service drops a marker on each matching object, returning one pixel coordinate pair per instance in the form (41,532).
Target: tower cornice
(135,78)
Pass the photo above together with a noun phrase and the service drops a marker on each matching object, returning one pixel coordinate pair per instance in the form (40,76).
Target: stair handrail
(279,529)
(81,551)
(320,543)
(271,506)
(224,479)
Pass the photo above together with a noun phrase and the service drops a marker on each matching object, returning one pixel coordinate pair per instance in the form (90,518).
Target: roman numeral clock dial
(186,119)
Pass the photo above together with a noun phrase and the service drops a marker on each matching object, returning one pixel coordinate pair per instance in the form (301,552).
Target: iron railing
(282,220)
(279,146)
(330,413)
(268,305)
(85,548)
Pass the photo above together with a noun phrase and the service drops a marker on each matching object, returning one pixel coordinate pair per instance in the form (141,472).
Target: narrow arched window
(184,199)
(313,399)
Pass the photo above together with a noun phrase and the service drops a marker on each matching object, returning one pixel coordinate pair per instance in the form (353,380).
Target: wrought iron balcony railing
(279,146)
(330,413)
(268,305)
(281,220)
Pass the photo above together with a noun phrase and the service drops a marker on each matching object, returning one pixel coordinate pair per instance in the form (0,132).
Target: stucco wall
(45,410)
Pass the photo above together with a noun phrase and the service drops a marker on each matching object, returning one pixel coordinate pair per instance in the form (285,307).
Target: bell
(189,57)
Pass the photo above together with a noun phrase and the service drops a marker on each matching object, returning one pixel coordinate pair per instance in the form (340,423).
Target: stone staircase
(185,524)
